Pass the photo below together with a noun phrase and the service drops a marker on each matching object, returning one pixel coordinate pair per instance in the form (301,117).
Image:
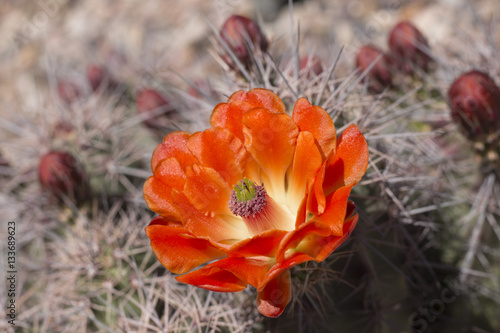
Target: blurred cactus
(68,91)
(311,65)
(379,76)
(98,76)
(62,175)
(155,109)
(243,37)
(408,48)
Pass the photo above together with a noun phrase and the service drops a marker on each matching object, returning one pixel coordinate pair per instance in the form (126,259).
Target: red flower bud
(153,106)
(62,129)
(312,64)
(379,75)
(408,48)
(242,36)
(201,89)
(68,91)
(475,104)
(98,75)
(62,175)
(3,161)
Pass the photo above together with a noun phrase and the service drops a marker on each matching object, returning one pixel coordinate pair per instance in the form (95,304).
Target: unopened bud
(98,75)
(62,175)
(379,76)
(243,36)
(68,91)
(408,48)
(475,104)
(311,64)
(153,107)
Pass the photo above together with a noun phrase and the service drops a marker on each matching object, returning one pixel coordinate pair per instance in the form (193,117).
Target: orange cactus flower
(257,193)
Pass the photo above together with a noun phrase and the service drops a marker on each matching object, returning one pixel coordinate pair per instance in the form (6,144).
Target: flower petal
(216,228)
(206,190)
(158,197)
(229,115)
(316,200)
(273,299)
(335,212)
(253,171)
(213,278)
(316,120)
(314,240)
(349,163)
(220,150)
(264,244)
(306,162)
(173,145)
(293,239)
(321,247)
(251,270)
(270,138)
(176,249)
(260,98)
(171,173)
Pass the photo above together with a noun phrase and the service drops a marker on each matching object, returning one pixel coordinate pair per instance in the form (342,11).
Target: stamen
(257,209)
(247,198)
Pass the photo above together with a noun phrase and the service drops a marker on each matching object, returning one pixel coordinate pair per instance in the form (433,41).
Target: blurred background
(89,88)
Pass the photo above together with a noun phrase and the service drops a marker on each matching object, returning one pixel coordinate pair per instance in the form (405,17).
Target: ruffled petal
(206,190)
(306,161)
(173,145)
(321,247)
(301,213)
(260,98)
(271,138)
(292,259)
(253,171)
(290,242)
(314,240)
(316,120)
(251,270)
(171,173)
(215,227)
(158,197)
(335,211)
(177,249)
(248,270)
(273,299)
(229,116)
(220,150)
(213,278)
(264,244)
(316,200)
(346,167)
(349,163)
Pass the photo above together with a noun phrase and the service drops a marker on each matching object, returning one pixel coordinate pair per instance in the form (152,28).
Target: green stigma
(245,190)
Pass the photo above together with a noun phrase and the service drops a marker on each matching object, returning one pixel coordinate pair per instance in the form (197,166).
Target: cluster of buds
(243,37)
(62,175)
(408,50)
(475,105)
